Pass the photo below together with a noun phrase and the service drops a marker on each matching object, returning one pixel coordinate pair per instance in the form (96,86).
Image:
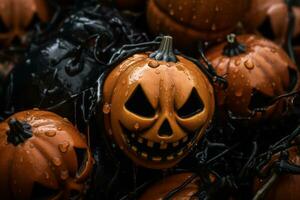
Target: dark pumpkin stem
(18,132)
(233,47)
(165,51)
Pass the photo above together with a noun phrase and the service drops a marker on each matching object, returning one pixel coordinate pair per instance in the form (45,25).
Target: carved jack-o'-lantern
(257,71)
(42,156)
(194,20)
(157,106)
(271,17)
(18,16)
(275,185)
(166,188)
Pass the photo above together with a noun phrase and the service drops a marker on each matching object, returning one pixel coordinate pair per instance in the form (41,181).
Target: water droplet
(213,27)
(136,126)
(153,64)
(106,108)
(47,175)
(172,12)
(63,147)
(217,9)
(59,128)
(31,145)
(21,159)
(64,174)
(56,161)
(50,133)
(249,64)
(273,84)
(238,93)
(237,62)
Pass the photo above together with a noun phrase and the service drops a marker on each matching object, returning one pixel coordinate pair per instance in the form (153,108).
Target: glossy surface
(47,165)
(156,111)
(66,64)
(194,20)
(17,16)
(162,188)
(271,17)
(286,186)
(255,78)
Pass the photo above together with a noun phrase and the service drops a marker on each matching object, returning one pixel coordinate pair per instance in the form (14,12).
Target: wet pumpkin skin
(255,77)
(286,186)
(18,15)
(271,18)
(194,20)
(161,189)
(156,111)
(43,161)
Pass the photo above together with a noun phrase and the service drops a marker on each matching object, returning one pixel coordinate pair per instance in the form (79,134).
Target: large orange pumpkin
(258,71)
(190,21)
(157,106)
(42,156)
(18,16)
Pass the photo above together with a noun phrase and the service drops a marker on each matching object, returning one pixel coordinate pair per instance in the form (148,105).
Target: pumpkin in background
(167,186)
(157,106)
(42,156)
(275,185)
(271,18)
(258,71)
(17,17)
(190,21)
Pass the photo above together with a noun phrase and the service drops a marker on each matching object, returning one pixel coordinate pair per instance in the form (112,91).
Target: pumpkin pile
(149,99)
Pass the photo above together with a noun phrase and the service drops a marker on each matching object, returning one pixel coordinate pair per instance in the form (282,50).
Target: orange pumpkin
(194,20)
(163,188)
(258,71)
(157,106)
(271,17)
(42,156)
(18,16)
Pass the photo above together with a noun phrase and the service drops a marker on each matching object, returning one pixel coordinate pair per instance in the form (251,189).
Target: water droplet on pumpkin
(59,128)
(237,62)
(238,93)
(21,159)
(171,12)
(63,147)
(136,126)
(249,64)
(50,133)
(217,9)
(153,64)
(47,175)
(213,27)
(56,161)
(31,145)
(106,108)
(273,84)
(64,174)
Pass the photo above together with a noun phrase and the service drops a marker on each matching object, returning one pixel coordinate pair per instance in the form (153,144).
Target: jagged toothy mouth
(155,151)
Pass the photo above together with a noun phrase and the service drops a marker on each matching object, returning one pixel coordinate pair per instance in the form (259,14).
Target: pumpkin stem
(233,47)
(165,51)
(18,132)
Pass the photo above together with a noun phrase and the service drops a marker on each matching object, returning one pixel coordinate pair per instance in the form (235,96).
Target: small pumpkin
(42,156)
(258,71)
(271,18)
(17,17)
(278,186)
(157,106)
(194,20)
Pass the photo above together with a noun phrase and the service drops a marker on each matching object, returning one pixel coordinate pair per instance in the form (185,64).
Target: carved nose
(165,130)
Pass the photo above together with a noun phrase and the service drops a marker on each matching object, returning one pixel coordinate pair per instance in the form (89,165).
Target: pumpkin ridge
(198,30)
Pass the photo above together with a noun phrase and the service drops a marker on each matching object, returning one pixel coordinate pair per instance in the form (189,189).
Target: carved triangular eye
(139,104)
(192,106)
(259,100)
(40,192)
(266,29)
